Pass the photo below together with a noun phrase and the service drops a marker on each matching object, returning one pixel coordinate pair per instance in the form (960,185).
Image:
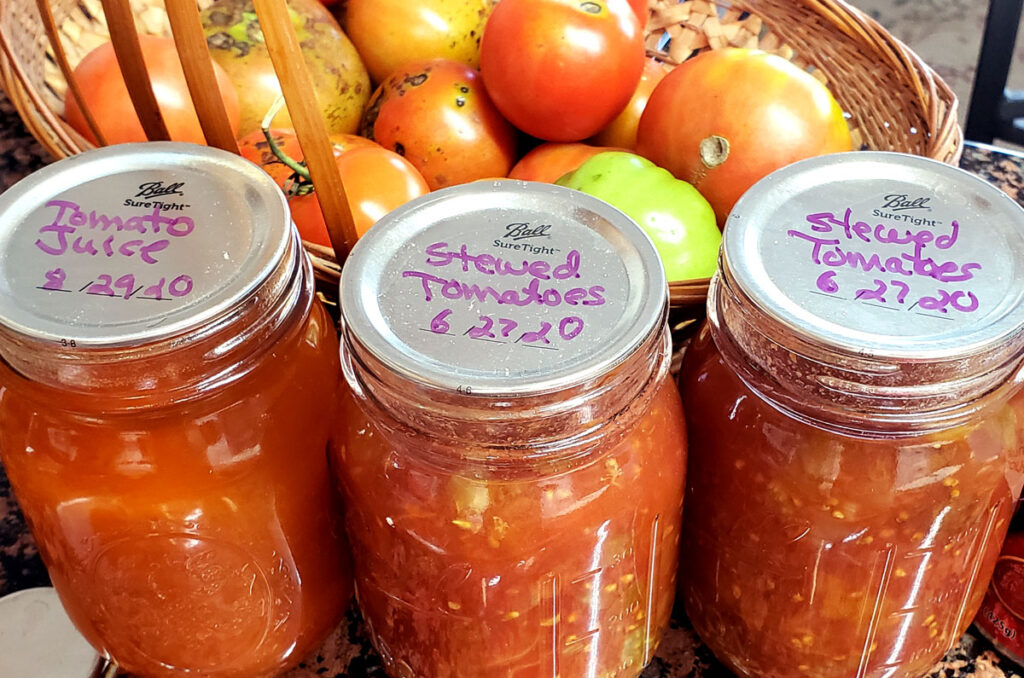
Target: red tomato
(726,118)
(391,33)
(436,113)
(561,70)
(621,131)
(106,95)
(549,162)
(254,147)
(376,181)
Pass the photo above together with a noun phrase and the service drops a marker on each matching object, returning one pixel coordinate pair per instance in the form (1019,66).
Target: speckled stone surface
(347,652)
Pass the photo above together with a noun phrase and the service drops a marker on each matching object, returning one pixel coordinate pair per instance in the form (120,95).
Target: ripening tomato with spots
(437,114)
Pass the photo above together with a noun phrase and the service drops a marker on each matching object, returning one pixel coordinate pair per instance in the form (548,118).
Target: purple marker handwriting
(456,275)
(915,263)
(503,330)
(142,236)
(125,286)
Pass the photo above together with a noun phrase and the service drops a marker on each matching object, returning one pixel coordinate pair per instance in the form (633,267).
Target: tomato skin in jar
(834,555)
(462,570)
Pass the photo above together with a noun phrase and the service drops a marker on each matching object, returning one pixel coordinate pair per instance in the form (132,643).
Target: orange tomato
(549,161)
(728,117)
(106,95)
(254,147)
(376,181)
(621,131)
(437,114)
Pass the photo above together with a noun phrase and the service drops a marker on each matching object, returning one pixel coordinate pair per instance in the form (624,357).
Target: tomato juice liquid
(188,536)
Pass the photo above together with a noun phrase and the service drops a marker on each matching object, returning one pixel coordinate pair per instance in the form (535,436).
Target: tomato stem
(289,162)
(714,150)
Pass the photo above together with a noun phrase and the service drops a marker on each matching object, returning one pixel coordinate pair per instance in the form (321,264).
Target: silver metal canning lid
(883,255)
(132,243)
(38,639)
(503,288)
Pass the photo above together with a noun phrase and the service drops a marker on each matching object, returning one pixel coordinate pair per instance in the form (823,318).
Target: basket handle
(50,25)
(194,54)
(297,87)
(125,40)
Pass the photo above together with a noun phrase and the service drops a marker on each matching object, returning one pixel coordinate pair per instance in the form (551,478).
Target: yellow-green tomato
(390,33)
(340,81)
(675,216)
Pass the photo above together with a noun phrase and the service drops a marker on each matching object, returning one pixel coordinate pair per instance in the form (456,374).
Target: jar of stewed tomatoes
(166,389)
(856,426)
(511,453)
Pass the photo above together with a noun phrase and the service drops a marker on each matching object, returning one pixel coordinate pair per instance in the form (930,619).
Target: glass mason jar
(856,432)
(511,452)
(166,388)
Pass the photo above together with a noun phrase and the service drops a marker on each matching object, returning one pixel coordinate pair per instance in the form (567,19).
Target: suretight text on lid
(882,254)
(134,242)
(503,287)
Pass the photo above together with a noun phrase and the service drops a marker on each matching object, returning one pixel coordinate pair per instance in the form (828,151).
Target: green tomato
(672,213)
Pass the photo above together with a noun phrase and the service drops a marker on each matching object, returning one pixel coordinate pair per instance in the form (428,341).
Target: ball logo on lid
(155,189)
(899,202)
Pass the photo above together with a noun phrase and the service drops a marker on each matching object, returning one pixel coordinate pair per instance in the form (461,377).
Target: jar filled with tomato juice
(856,425)
(166,389)
(512,452)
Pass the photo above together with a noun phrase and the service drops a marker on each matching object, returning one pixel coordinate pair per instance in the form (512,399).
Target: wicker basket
(894,100)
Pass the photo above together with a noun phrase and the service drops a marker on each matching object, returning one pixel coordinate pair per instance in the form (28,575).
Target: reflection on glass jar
(854,462)
(169,451)
(513,511)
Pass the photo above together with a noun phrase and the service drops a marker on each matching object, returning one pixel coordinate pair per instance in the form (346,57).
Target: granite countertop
(347,652)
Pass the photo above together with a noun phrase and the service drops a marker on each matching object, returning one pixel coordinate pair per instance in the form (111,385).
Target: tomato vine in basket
(255,148)
(561,70)
(106,95)
(376,181)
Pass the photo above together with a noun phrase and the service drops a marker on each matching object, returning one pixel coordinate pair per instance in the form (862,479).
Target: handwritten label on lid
(880,252)
(135,252)
(513,288)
